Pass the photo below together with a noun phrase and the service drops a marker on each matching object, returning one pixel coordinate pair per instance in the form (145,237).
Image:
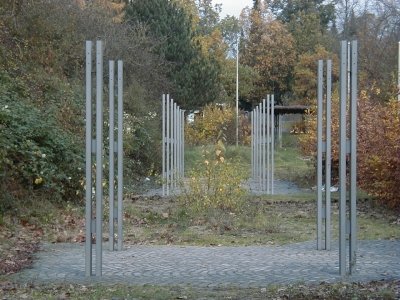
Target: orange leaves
(378,146)
(379,150)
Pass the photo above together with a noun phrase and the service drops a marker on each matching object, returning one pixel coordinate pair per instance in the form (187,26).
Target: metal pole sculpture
(94,195)
(252,143)
(88,173)
(173,149)
(237,93)
(347,157)
(115,147)
(99,157)
(324,205)
(120,155)
(268,141)
(262,144)
(272,125)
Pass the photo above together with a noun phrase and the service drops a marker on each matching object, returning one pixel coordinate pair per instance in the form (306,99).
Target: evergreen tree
(193,75)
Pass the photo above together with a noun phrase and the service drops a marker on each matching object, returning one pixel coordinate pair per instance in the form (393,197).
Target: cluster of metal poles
(263,145)
(173,145)
(94,147)
(347,155)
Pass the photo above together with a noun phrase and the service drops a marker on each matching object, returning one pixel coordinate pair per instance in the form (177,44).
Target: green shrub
(35,154)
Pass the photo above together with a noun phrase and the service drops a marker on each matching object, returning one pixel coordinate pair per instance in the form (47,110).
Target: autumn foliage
(378,146)
(379,150)
(217,122)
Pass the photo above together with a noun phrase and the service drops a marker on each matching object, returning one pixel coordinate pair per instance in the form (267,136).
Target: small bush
(216,183)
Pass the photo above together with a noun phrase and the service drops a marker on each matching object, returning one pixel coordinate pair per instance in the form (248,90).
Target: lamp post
(237,93)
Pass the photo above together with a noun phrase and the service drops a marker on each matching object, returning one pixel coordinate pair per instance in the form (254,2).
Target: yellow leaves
(38,180)
(208,126)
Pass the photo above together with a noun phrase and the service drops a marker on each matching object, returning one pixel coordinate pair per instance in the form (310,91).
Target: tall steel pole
(398,75)
(237,93)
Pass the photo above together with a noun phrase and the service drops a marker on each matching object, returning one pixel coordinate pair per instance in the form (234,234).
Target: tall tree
(308,20)
(194,76)
(268,48)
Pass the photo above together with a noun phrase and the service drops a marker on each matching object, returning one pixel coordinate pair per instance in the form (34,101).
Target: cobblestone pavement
(215,266)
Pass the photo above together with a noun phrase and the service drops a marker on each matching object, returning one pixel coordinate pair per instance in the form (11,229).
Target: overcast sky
(233,7)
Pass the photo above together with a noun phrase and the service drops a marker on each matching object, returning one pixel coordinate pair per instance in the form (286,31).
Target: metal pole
(256,154)
(264,140)
(163,144)
(120,153)
(111,155)
(353,156)
(99,156)
(88,174)
(175,144)
(183,144)
(259,141)
(237,93)
(328,157)
(319,154)
(280,131)
(342,159)
(252,143)
(268,142)
(168,138)
(272,141)
(178,143)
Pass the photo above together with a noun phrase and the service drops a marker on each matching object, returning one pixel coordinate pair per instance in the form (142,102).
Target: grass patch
(371,290)
(290,164)
(278,219)
(194,155)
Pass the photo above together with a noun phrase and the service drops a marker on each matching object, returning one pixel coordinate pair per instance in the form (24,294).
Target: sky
(233,7)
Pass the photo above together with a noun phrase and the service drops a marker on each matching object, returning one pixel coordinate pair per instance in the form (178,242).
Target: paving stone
(215,266)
